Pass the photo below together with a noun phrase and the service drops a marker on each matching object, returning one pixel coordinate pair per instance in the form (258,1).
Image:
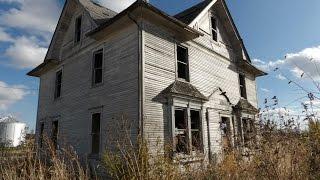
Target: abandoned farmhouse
(185,79)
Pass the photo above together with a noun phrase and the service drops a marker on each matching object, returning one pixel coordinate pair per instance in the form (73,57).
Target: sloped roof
(188,15)
(184,89)
(99,14)
(245,106)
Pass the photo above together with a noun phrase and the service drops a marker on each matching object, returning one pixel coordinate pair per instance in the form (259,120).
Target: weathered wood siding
(118,95)
(211,66)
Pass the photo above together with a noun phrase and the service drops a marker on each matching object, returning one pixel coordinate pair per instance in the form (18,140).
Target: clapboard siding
(209,69)
(117,96)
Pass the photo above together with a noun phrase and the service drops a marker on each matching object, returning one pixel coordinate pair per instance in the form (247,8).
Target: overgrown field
(280,154)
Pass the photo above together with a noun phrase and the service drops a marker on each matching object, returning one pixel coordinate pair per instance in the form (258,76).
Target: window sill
(96,85)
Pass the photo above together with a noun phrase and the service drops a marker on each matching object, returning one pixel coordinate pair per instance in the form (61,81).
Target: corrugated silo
(12,132)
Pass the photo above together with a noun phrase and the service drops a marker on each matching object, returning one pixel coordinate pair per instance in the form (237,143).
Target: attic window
(242,83)
(78,29)
(183,63)
(214,29)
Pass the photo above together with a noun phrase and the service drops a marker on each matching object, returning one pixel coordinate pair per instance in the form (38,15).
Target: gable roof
(98,13)
(144,4)
(184,89)
(188,15)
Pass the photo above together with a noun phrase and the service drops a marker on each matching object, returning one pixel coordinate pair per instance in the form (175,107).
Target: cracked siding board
(118,95)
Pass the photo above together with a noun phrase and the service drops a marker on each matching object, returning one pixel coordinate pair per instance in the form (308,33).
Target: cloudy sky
(278,34)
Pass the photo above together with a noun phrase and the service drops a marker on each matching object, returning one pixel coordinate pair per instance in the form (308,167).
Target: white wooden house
(185,79)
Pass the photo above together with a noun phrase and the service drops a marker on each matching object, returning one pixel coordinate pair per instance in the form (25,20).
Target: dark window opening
(78,29)
(196,131)
(58,84)
(181,134)
(248,130)
(226,132)
(95,133)
(97,67)
(55,131)
(41,135)
(243,90)
(183,63)
(214,29)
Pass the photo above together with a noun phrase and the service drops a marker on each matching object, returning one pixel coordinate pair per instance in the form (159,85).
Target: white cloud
(4,36)
(10,94)
(265,90)
(281,77)
(39,15)
(25,53)
(307,60)
(117,5)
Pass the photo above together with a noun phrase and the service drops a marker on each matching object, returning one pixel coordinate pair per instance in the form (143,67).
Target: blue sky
(270,29)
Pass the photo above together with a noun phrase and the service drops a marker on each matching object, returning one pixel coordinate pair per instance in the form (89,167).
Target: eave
(43,67)
(247,66)
(150,12)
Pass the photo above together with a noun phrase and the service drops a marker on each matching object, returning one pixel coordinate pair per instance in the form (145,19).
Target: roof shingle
(188,15)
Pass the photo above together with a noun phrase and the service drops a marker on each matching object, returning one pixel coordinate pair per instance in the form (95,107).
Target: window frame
(93,154)
(93,69)
(243,87)
(186,64)
(214,29)
(55,133)
(189,149)
(56,84)
(78,32)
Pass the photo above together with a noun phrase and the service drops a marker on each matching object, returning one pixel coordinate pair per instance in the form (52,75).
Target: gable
(93,14)
(198,18)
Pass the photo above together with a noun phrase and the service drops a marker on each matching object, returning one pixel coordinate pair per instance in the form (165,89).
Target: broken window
(181,133)
(186,142)
(196,131)
(214,29)
(95,133)
(55,131)
(41,135)
(58,84)
(78,29)
(97,67)
(242,83)
(183,63)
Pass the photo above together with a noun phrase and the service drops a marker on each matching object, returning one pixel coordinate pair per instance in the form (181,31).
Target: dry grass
(280,154)
(25,163)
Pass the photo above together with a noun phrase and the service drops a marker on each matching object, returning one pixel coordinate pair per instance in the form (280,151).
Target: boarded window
(242,82)
(97,67)
(183,63)
(58,84)
(181,133)
(78,25)
(196,131)
(55,131)
(214,29)
(41,135)
(95,133)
